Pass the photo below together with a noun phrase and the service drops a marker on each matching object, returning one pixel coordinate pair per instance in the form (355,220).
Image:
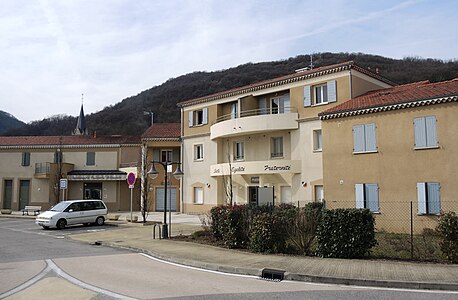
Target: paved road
(39,264)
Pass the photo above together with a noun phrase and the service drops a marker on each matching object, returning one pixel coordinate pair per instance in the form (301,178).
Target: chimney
(94,134)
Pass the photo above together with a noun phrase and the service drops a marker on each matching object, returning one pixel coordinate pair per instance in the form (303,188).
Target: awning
(96,175)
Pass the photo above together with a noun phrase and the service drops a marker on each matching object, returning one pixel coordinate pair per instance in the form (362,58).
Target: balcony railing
(257,112)
(43,168)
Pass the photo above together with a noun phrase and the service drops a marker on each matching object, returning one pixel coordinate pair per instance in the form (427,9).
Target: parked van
(73,212)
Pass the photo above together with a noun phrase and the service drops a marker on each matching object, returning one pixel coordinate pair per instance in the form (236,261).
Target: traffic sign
(63,183)
(131,178)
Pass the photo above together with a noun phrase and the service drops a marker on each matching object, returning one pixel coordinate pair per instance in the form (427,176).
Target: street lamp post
(153,173)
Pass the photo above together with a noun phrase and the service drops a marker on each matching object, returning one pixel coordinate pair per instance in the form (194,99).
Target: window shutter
(370,140)
(372,196)
(176,155)
(205,115)
(431,131)
(421,195)
(359,192)
(434,206)
(332,91)
(286,103)
(157,154)
(262,103)
(190,119)
(358,137)
(307,96)
(420,132)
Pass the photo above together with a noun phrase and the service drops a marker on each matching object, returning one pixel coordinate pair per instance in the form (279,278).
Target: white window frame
(198,152)
(317,140)
(320,94)
(367,196)
(198,195)
(425,133)
(276,153)
(198,117)
(428,197)
(239,151)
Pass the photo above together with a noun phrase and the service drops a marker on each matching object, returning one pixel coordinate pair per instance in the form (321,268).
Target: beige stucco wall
(200,129)
(396,167)
(105,159)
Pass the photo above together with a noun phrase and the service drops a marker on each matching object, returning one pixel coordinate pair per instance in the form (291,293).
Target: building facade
(389,148)
(262,143)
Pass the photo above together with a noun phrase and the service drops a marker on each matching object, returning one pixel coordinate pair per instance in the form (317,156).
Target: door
(253,195)
(24,193)
(92,190)
(285,194)
(7,193)
(171,199)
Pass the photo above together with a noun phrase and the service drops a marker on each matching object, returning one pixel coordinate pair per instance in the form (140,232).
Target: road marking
(84,285)
(28,283)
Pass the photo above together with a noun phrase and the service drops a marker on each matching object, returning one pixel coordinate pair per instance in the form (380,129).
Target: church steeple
(81,128)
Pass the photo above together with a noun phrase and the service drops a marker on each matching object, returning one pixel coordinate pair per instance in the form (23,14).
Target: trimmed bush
(448,229)
(230,224)
(346,233)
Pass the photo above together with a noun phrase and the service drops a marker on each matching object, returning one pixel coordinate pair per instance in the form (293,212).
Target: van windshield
(59,206)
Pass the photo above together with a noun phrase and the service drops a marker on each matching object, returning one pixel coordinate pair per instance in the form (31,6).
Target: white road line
(84,285)
(26,284)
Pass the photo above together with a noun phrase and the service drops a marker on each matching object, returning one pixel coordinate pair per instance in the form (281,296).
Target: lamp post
(153,173)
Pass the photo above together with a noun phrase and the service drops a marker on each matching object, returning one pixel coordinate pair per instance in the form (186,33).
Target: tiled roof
(285,80)
(67,141)
(401,96)
(163,130)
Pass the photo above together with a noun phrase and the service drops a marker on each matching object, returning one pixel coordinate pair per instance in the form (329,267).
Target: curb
(389,284)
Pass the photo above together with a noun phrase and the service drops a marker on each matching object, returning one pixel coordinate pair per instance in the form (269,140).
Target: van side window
(88,205)
(74,207)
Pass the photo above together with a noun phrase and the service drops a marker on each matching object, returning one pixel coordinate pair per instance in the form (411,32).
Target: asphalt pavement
(377,273)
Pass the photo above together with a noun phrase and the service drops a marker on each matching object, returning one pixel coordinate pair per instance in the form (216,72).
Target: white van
(73,212)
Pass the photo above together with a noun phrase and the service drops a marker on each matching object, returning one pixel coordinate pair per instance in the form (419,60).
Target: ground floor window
(428,197)
(198,195)
(319,193)
(92,190)
(367,196)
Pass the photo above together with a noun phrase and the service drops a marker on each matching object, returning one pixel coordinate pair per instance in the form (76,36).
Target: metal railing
(257,112)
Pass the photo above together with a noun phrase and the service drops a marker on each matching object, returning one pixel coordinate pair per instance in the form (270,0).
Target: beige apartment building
(262,143)
(388,148)
(94,167)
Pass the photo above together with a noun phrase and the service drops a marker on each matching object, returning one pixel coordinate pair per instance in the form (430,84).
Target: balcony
(42,170)
(255,121)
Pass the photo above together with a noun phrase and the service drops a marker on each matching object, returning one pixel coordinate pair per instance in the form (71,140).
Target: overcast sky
(52,51)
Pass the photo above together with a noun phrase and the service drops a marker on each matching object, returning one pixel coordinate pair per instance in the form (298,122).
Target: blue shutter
(205,115)
(370,141)
(359,192)
(431,131)
(420,132)
(358,137)
(190,119)
(371,190)
(262,104)
(421,195)
(434,205)
(307,96)
(332,91)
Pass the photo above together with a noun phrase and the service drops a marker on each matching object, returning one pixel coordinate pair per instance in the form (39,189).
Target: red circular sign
(131,178)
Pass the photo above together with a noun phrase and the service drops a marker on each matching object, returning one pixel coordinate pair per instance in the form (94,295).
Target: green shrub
(230,224)
(346,233)
(448,229)
(263,233)
(302,230)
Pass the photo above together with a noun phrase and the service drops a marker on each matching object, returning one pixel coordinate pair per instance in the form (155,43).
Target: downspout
(182,162)
(351,85)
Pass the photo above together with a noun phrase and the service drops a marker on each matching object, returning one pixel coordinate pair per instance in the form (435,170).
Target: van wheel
(100,221)
(61,224)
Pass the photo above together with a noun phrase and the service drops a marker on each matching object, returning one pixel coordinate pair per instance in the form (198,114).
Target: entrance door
(171,199)
(285,194)
(93,190)
(253,195)
(7,193)
(24,193)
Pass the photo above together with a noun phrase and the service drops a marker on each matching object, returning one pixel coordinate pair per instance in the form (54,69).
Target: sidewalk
(378,273)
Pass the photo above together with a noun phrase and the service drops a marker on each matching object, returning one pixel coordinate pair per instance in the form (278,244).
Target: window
(90,159)
(198,152)
(364,138)
(239,151)
(166,155)
(320,94)
(425,132)
(317,140)
(280,105)
(319,193)
(277,147)
(198,117)
(234,110)
(428,197)
(58,157)
(25,159)
(367,196)
(198,195)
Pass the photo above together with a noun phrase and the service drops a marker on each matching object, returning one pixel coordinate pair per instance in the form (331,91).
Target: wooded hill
(8,121)
(127,117)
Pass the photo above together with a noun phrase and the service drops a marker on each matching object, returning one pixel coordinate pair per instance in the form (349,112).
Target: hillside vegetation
(8,122)
(127,116)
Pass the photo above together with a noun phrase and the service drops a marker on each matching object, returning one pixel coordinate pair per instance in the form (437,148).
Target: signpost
(131,182)
(63,184)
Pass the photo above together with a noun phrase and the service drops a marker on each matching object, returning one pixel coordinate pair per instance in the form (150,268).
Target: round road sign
(131,178)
